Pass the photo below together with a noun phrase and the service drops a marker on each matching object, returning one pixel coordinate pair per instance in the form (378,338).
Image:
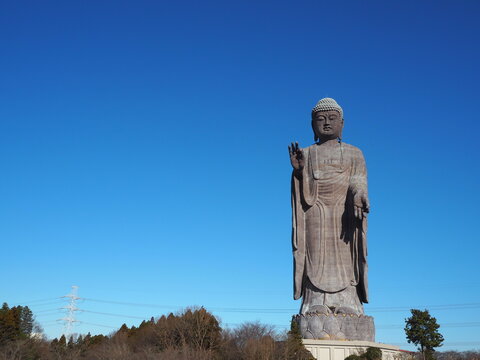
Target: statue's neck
(327,141)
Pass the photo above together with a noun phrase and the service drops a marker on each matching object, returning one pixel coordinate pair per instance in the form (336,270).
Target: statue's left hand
(361,206)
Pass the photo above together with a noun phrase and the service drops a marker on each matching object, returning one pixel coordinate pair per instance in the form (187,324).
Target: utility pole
(71,309)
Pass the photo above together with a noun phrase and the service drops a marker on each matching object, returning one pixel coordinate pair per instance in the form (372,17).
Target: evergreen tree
(26,321)
(294,348)
(421,329)
(4,308)
(54,343)
(7,324)
(71,343)
(87,339)
(15,323)
(62,342)
(124,329)
(97,339)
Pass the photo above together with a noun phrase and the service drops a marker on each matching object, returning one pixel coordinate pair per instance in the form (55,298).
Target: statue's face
(327,124)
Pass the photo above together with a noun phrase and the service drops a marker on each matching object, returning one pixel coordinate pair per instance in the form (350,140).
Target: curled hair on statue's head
(327,104)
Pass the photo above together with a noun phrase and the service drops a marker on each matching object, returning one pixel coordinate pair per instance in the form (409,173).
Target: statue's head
(327,120)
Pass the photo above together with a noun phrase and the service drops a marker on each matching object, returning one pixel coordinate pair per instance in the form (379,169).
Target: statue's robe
(329,243)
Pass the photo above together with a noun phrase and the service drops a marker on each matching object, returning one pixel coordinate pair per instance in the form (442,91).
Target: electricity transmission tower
(71,309)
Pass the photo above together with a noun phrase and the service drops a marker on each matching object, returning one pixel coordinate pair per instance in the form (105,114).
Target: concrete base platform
(339,350)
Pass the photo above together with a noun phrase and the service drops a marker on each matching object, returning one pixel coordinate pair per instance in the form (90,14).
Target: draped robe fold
(329,243)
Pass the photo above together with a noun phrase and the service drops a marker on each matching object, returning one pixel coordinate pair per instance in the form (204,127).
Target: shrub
(373,353)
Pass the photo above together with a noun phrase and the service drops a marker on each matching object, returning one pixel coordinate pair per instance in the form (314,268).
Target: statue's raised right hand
(296,156)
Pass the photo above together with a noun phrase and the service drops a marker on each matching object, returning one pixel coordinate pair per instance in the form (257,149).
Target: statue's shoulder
(353,150)
(307,150)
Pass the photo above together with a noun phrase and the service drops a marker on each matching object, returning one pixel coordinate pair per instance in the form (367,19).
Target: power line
(217,309)
(51,323)
(448,344)
(69,320)
(36,301)
(48,303)
(381,326)
(290,310)
(111,314)
(57,302)
(460,324)
(106,326)
(430,307)
(47,310)
(56,313)
(131,304)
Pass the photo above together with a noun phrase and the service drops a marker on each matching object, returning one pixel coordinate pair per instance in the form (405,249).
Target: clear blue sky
(143,154)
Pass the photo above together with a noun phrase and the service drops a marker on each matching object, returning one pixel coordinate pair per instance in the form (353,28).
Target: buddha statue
(330,207)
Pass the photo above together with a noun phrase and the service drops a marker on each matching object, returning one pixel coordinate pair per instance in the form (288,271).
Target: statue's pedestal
(339,350)
(336,327)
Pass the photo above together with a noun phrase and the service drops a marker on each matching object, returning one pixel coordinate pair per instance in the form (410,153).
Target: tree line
(193,334)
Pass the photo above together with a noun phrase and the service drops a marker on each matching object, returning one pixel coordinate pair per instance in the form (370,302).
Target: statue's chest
(329,162)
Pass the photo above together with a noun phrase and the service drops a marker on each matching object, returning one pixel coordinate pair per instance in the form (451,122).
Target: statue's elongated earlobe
(315,136)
